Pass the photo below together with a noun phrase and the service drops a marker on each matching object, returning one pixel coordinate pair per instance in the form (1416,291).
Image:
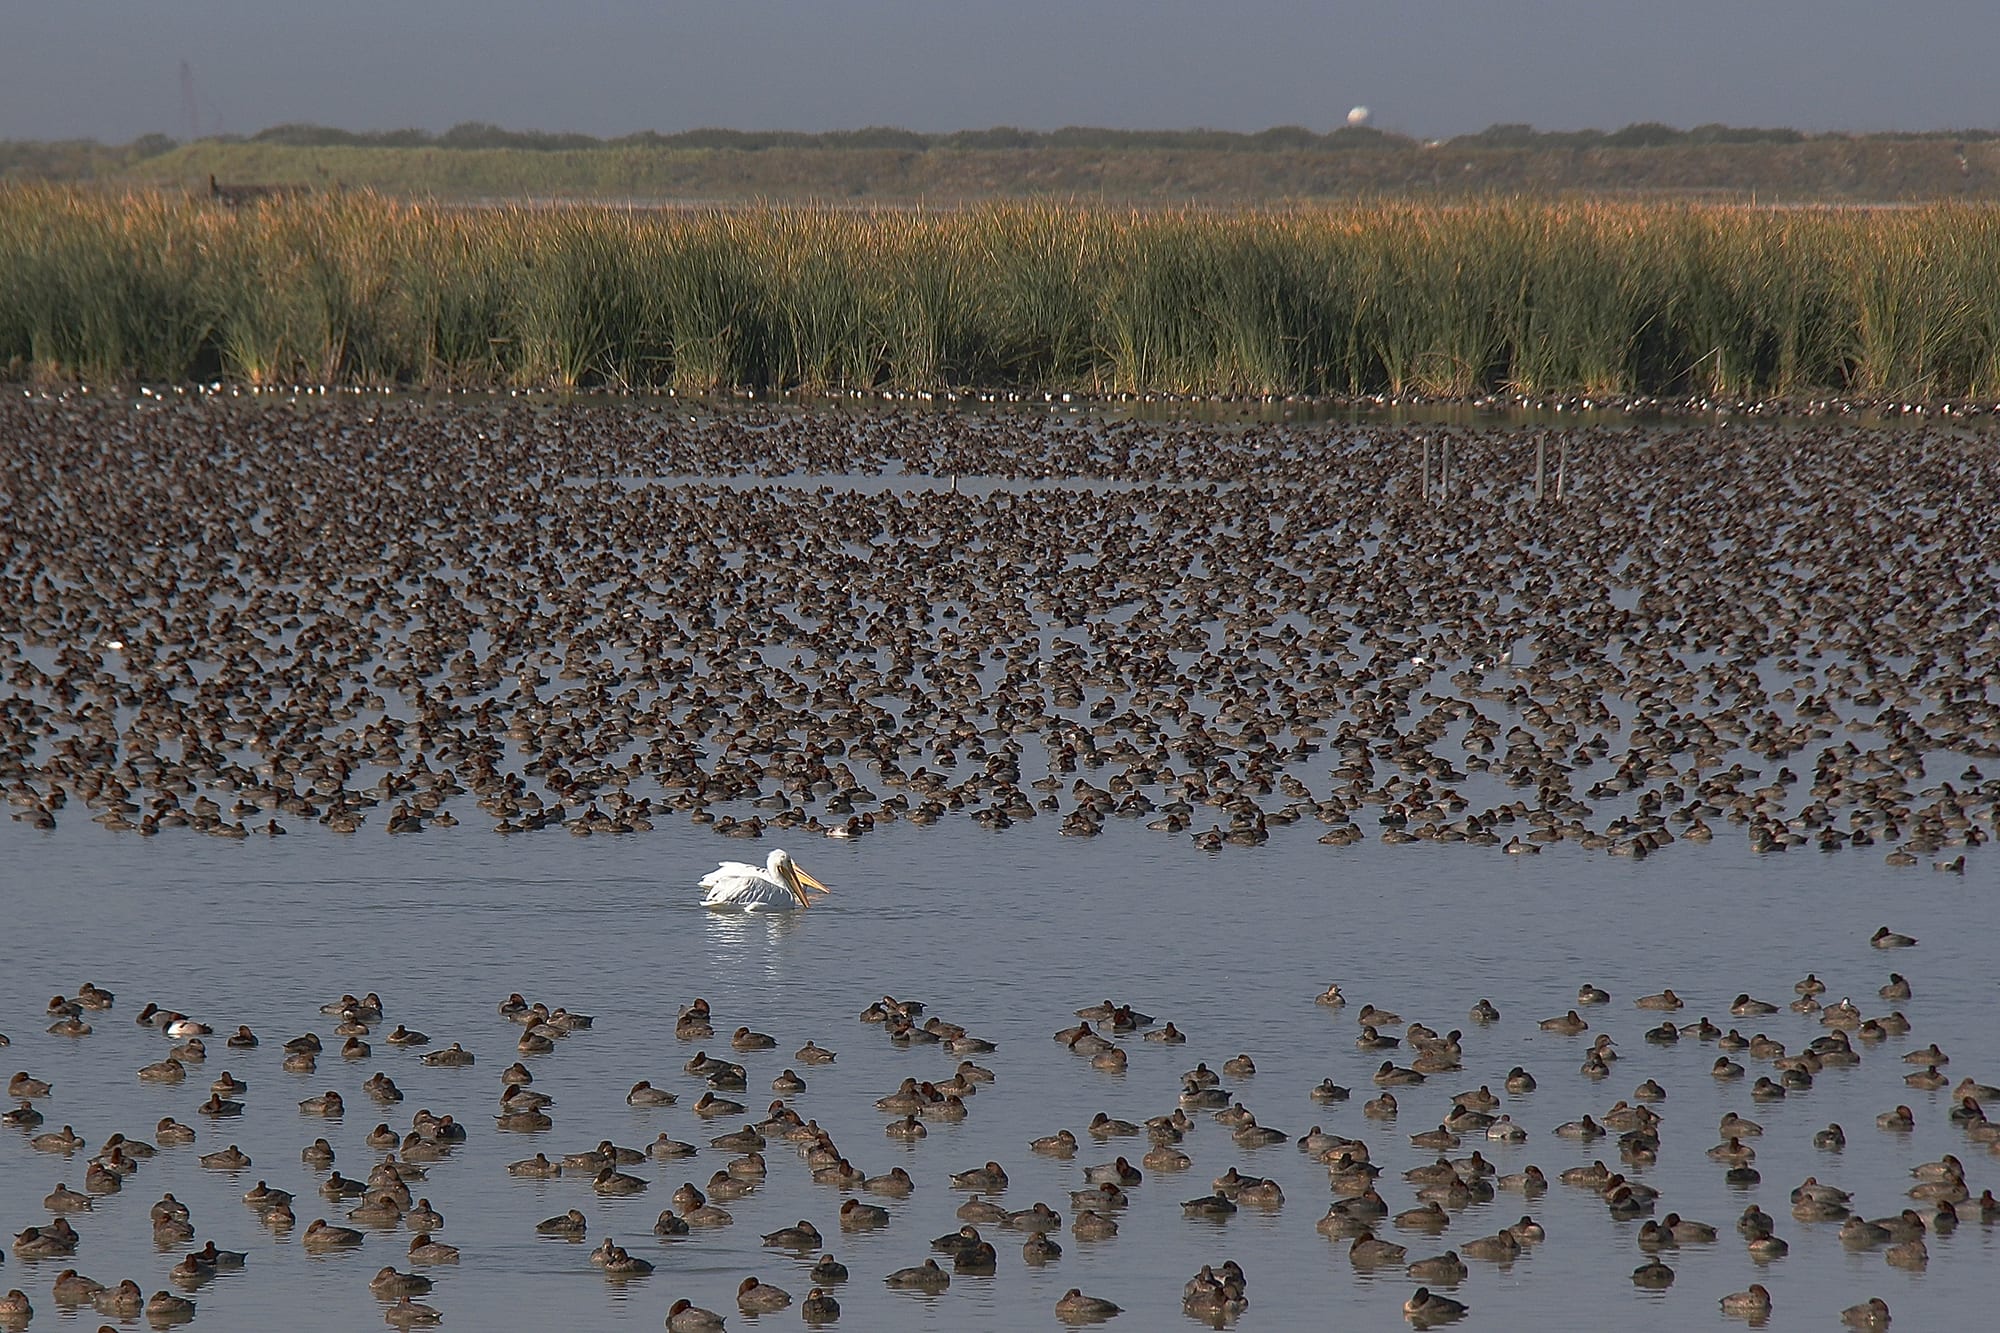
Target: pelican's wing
(730,872)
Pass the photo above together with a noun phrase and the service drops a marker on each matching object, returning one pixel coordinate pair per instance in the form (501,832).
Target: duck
(63,1199)
(755,1297)
(1427,1309)
(611,1181)
(643,1093)
(571,1223)
(320,1235)
(988,1179)
(707,1216)
(56,1240)
(125,1301)
(1872,1315)
(72,1288)
(1089,1224)
(801,1236)
(926,1276)
(1428,1217)
(980,1259)
(819,1308)
(1369,1251)
(1074,1307)
(408,1313)
(684,1316)
(1060,1144)
(1120,1172)
(894,1183)
(1653,1276)
(1446,1269)
(858,1216)
(977,1210)
(388,1282)
(426,1249)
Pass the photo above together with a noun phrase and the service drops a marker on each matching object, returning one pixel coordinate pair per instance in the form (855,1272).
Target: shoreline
(1390,409)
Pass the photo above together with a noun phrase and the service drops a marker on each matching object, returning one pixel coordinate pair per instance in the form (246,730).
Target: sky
(111,69)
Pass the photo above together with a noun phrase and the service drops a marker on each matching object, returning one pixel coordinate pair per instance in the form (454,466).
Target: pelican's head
(786,871)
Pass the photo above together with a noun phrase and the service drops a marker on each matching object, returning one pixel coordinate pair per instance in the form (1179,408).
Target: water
(1005,933)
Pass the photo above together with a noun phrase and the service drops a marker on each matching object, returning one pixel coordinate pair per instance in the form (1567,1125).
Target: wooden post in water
(1444,470)
(1427,469)
(1541,456)
(1562,467)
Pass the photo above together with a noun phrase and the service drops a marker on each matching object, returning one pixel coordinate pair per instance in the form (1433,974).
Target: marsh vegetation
(1394,298)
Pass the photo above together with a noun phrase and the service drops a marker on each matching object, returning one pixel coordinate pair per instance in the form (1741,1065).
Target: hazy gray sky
(111,68)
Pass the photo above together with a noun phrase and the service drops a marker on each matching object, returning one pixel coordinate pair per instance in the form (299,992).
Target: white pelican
(776,886)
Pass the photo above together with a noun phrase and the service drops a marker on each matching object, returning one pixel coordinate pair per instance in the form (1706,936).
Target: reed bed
(1399,298)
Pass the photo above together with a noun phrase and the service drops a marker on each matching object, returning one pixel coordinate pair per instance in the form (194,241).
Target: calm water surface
(1005,933)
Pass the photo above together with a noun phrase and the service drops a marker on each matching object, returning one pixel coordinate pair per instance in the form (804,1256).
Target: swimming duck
(1446,1269)
(425,1249)
(894,1183)
(319,1235)
(819,1308)
(926,1276)
(1872,1315)
(72,1288)
(611,1182)
(977,1209)
(755,1297)
(1653,1276)
(858,1216)
(1427,1309)
(126,1300)
(571,1224)
(231,1158)
(1367,1251)
(988,1179)
(1089,1224)
(1075,1307)
(803,1236)
(707,1216)
(24,1086)
(686,1317)
(978,1260)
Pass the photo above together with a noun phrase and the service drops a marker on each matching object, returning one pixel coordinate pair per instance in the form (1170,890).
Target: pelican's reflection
(740,941)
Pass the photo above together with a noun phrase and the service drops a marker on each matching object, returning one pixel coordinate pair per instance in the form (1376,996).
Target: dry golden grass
(1590,298)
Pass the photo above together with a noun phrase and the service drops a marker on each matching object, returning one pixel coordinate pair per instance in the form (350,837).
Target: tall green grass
(1596,299)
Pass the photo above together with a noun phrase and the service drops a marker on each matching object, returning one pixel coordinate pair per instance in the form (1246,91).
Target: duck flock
(383,615)
(361,617)
(388,1192)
